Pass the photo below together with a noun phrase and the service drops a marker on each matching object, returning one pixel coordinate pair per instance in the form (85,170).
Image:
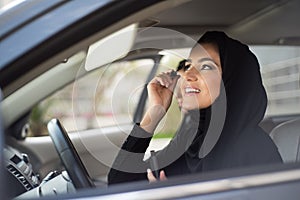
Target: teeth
(191,90)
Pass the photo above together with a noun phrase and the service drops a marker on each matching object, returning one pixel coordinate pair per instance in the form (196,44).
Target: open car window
(280,71)
(103,97)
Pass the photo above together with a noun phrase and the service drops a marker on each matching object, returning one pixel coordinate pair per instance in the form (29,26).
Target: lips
(191,90)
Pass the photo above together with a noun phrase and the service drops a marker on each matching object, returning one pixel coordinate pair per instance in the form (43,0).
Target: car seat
(287,138)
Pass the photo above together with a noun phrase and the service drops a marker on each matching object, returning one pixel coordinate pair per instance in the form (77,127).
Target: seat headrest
(287,138)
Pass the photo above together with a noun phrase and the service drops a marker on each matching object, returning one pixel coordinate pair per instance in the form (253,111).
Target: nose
(190,74)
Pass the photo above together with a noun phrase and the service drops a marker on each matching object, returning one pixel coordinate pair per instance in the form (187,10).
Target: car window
(280,73)
(103,97)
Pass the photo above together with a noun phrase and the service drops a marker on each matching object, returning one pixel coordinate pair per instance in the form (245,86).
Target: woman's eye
(206,67)
(186,67)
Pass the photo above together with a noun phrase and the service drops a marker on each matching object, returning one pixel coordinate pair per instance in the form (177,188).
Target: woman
(224,100)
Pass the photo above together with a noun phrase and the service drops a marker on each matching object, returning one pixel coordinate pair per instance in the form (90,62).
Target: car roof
(30,23)
(268,22)
(21,13)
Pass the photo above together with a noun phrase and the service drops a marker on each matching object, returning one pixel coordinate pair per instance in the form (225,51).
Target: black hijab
(242,92)
(220,136)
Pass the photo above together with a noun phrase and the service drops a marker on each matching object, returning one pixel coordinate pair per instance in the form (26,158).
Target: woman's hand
(160,91)
(161,88)
(151,177)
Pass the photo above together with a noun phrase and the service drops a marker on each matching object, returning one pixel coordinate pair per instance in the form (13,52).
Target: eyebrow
(203,60)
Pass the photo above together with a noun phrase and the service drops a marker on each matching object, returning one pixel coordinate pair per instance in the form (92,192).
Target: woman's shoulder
(256,136)
(258,145)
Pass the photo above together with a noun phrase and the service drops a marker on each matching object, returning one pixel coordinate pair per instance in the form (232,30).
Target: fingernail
(149,170)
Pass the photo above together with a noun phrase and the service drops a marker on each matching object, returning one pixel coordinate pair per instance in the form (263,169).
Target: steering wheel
(69,155)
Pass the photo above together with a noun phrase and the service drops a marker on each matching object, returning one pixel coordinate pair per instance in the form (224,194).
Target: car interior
(70,105)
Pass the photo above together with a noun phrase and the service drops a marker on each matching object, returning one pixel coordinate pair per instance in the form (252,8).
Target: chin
(190,107)
(193,106)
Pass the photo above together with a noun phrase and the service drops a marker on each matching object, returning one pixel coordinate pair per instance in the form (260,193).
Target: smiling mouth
(189,90)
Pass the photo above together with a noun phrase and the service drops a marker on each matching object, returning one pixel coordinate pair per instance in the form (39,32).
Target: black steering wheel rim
(69,156)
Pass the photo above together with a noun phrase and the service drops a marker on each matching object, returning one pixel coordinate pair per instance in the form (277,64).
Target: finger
(166,78)
(168,75)
(162,176)
(171,78)
(150,176)
(159,80)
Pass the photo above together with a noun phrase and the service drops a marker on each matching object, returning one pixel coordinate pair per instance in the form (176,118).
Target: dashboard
(27,183)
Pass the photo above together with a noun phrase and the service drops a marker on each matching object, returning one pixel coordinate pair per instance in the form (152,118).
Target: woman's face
(200,82)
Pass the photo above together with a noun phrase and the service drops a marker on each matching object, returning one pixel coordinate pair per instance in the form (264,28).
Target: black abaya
(225,135)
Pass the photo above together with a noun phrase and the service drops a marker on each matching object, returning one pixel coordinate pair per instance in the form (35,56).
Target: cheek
(180,87)
(213,83)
